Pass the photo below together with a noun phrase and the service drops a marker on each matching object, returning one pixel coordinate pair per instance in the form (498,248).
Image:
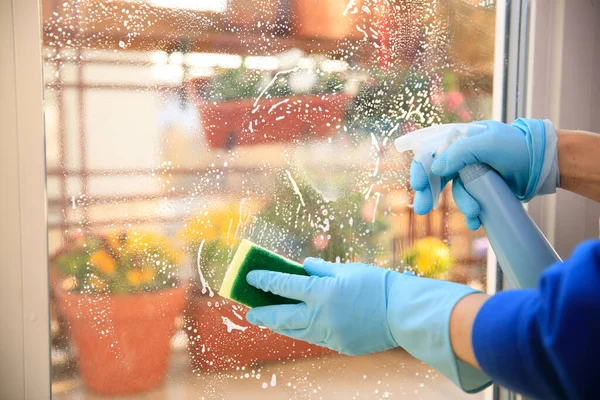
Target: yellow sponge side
(234,268)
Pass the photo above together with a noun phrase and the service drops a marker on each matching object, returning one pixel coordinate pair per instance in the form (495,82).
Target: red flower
(465,115)
(320,241)
(454,100)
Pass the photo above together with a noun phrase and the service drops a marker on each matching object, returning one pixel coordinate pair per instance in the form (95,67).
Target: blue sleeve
(545,343)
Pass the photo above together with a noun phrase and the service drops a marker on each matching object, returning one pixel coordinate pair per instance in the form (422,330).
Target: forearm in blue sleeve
(545,343)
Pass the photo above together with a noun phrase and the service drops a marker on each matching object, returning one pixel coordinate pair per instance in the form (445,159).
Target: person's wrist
(567,149)
(461,326)
(579,172)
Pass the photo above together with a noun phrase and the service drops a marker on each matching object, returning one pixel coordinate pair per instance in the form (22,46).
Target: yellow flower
(147,274)
(96,283)
(114,243)
(199,228)
(141,242)
(432,257)
(222,223)
(103,261)
(151,247)
(133,277)
(138,277)
(227,222)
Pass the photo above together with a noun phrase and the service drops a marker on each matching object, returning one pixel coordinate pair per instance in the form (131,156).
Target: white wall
(565,87)
(576,217)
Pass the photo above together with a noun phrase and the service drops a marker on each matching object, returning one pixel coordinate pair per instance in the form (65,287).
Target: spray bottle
(522,250)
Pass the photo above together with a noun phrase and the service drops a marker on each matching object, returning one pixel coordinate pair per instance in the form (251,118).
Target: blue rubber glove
(358,309)
(523,153)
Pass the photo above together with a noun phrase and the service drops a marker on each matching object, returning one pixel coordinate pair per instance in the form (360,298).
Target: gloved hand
(358,309)
(523,153)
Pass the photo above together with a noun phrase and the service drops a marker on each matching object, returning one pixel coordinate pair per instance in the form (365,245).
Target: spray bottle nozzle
(428,143)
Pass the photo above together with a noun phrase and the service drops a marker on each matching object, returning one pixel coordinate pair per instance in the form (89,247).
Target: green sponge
(249,257)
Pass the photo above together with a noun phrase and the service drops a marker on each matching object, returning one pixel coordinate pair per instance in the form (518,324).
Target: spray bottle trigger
(435,181)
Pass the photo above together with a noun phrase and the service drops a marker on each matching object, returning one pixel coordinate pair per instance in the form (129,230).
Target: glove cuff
(419,319)
(550,179)
(541,140)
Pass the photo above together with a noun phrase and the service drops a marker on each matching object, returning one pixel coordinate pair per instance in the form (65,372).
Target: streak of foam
(369,192)
(229,230)
(238,315)
(296,188)
(351,3)
(231,326)
(393,130)
(377,195)
(203,282)
(274,106)
(375,142)
(287,71)
(358,28)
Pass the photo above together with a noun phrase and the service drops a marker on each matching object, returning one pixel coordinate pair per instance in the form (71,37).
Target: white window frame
(24,301)
(564,59)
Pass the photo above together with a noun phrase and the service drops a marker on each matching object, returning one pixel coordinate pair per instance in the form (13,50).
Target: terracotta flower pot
(214,345)
(326,19)
(282,119)
(123,341)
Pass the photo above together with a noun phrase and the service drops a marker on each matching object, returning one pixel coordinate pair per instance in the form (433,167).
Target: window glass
(177,128)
